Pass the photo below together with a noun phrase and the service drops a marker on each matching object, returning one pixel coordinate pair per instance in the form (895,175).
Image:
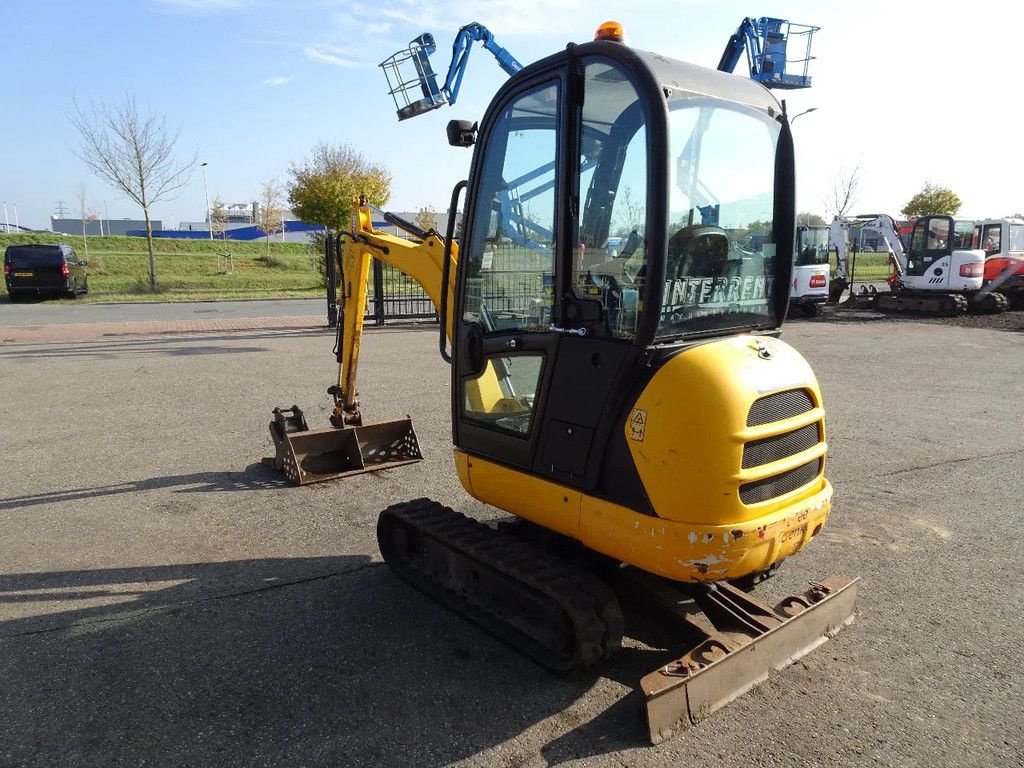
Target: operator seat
(698,250)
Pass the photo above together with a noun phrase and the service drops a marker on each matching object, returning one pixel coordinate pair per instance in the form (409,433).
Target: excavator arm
(351,446)
(421,261)
(881,223)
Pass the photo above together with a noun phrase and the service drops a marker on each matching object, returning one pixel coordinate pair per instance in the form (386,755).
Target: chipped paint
(703,565)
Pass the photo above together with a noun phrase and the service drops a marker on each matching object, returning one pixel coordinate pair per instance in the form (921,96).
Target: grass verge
(190,270)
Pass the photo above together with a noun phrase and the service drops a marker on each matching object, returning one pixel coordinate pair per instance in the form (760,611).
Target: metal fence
(391,295)
(394,296)
(513,282)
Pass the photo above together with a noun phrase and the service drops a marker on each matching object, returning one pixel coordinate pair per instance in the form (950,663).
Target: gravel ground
(165,600)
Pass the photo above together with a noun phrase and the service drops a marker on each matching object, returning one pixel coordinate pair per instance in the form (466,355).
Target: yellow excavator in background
(618,383)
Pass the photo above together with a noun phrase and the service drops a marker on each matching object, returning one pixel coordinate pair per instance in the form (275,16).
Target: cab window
(609,263)
(991,238)
(510,261)
(721,253)
(1016,242)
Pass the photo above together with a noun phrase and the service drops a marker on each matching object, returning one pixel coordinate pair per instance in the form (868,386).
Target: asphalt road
(54,313)
(165,600)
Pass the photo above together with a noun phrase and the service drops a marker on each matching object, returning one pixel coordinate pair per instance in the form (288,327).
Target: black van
(38,269)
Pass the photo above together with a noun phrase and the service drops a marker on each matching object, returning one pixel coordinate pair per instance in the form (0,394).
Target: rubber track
(589,605)
(939,304)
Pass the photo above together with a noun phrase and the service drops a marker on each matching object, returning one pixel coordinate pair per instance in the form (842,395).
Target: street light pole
(805,112)
(7,224)
(209,215)
(793,120)
(17,224)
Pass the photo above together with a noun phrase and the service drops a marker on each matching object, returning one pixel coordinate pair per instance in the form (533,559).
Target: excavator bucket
(313,455)
(744,641)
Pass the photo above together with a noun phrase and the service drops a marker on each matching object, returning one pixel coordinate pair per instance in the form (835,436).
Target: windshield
(811,246)
(720,266)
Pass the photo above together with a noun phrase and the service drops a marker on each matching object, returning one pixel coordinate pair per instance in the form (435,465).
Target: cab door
(931,243)
(504,346)
(551,274)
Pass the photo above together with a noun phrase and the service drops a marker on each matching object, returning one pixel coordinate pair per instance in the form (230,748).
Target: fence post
(378,292)
(332,280)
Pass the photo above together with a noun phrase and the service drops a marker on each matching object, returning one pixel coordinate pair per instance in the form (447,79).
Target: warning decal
(637,424)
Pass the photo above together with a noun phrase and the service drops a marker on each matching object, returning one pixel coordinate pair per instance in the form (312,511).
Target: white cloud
(329,55)
(275,82)
(503,17)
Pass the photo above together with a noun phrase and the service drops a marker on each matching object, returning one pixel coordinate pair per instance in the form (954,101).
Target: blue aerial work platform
(768,43)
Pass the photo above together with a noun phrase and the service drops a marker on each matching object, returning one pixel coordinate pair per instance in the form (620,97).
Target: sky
(903,93)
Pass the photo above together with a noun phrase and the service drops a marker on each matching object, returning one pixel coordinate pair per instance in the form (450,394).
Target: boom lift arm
(765,41)
(425,79)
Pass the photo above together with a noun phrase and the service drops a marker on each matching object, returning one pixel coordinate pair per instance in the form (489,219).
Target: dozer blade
(314,455)
(746,640)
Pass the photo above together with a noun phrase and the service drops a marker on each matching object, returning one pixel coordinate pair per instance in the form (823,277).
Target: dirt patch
(1012,321)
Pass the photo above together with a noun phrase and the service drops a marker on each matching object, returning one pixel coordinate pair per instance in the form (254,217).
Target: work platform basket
(412,82)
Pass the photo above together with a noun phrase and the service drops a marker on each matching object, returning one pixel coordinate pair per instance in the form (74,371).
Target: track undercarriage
(554,608)
(939,303)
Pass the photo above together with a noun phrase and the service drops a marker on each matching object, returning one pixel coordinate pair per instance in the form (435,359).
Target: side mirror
(462,133)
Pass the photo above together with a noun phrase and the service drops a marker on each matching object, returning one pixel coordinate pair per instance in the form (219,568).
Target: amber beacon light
(610,30)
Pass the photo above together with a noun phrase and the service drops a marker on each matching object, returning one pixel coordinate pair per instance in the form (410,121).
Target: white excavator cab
(808,287)
(940,256)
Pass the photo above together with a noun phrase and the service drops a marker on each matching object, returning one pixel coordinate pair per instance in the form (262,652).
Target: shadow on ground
(269,662)
(254,477)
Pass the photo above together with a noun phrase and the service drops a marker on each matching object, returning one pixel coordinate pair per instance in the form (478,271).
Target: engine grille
(770,487)
(769,449)
(781,405)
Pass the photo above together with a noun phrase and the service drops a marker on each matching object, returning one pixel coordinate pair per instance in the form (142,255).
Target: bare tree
(269,210)
(629,213)
(218,219)
(133,151)
(81,193)
(844,192)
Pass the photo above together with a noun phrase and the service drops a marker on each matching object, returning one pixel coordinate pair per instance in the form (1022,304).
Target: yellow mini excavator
(618,382)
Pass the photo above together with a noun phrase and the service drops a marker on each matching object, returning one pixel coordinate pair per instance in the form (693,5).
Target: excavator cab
(550,323)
